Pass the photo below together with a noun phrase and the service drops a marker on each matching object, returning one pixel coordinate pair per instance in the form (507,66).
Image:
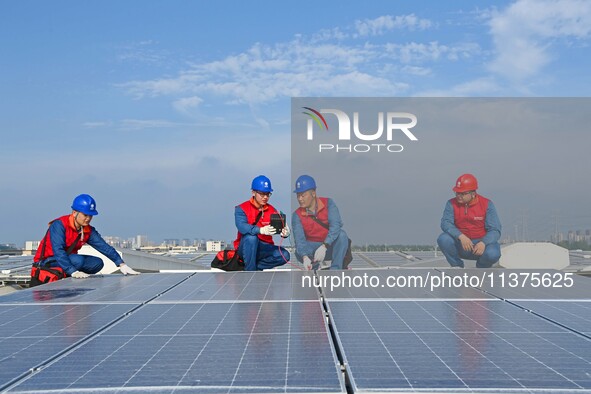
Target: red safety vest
(71,235)
(313,230)
(252,212)
(469,219)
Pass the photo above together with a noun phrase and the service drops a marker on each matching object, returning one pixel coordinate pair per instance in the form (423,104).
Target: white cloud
(142,52)
(524,33)
(385,23)
(186,104)
(433,51)
(476,87)
(92,125)
(415,70)
(141,124)
(329,34)
(266,73)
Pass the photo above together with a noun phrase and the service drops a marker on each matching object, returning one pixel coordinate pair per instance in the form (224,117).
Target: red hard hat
(465,183)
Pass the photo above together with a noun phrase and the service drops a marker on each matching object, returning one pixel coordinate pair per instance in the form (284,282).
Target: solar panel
(575,315)
(243,286)
(31,334)
(267,332)
(579,259)
(13,263)
(456,346)
(100,288)
(359,262)
(531,284)
(204,347)
(14,268)
(393,284)
(385,259)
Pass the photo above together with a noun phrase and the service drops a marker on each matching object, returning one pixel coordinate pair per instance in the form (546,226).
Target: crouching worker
(471,227)
(254,241)
(317,228)
(57,256)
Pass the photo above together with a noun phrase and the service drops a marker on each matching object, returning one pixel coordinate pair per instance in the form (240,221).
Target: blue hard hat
(303,183)
(85,204)
(262,184)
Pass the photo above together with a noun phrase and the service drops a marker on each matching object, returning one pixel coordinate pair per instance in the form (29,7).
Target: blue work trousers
(335,252)
(259,255)
(454,253)
(82,263)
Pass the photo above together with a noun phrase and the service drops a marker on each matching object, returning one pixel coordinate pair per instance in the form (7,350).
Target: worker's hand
(285,232)
(267,230)
(478,249)
(320,254)
(467,244)
(79,275)
(307,263)
(127,270)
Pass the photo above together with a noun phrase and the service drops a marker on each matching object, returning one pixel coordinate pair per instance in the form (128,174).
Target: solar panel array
(374,330)
(15,265)
(210,332)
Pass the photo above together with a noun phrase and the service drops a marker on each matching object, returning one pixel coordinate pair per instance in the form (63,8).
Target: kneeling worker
(57,256)
(317,227)
(471,227)
(254,241)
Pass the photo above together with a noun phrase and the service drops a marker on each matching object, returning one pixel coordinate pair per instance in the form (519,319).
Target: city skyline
(165,112)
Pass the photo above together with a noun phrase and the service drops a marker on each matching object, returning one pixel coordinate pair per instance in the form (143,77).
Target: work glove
(307,263)
(320,254)
(127,270)
(285,232)
(79,275)
(267,230)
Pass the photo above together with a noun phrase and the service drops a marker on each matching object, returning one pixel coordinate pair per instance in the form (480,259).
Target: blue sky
(165,111)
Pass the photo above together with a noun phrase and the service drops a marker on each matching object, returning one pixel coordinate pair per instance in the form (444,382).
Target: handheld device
(278,221)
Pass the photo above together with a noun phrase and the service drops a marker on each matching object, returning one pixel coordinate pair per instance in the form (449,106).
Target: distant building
(115,242)
(171,242)
(141,241)
(215,246)
(31,247)
(9,249)
(578,236)
(200,244)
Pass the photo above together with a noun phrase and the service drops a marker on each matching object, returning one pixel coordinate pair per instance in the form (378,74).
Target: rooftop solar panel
(575,315)
(531,284)
(100,288)
(385,259)
(32,334)
(243,286)
(459,346)
(267,332)
(15,267)
(359,262)
(204,347)
(12,264)
(393,284)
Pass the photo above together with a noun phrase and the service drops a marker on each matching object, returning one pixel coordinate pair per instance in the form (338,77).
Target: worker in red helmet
(57,256)
(471,226)
(254,241)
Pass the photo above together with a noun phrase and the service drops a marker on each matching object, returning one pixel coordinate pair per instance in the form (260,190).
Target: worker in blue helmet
(254,241)
(57,256)
(318,229)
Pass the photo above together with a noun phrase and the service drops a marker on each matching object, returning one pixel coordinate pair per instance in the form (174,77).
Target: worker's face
(262,198)
(306,199)
(81,219)
(465,197)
